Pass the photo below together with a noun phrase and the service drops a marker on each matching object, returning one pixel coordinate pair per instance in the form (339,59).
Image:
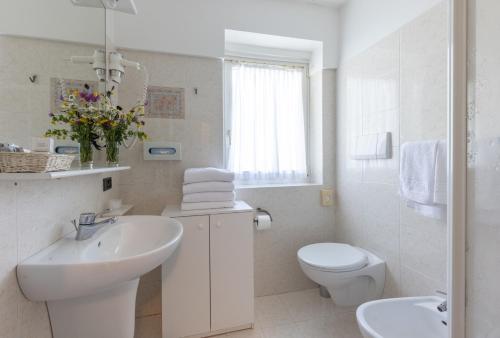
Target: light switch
(326,197)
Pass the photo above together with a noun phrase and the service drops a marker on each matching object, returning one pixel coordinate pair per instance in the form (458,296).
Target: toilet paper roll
(263,222)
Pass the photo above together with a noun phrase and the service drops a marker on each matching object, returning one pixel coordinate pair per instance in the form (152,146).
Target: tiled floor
(301,314)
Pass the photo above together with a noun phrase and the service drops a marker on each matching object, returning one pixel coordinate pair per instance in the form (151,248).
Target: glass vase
(112,150)
(86,151)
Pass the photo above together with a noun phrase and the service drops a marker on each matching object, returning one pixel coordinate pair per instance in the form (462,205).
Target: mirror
(42,55)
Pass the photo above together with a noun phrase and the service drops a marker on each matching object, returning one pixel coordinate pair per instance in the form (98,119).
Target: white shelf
(123,210)
(59,174)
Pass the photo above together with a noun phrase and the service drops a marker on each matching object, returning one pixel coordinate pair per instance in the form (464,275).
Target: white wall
(33,215)
(364,22)
(53,19)
(196,27)
(398,85)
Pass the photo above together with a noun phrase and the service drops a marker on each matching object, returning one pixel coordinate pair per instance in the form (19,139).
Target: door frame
(457,167)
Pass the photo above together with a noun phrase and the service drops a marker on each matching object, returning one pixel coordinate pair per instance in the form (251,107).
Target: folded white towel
(418,169)
(423,177)
(207,187)
(207,205)
(209,197)
(195,175)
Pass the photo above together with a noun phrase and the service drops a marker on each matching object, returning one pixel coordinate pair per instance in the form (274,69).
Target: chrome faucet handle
(87,218)
(442,293)
(73,221)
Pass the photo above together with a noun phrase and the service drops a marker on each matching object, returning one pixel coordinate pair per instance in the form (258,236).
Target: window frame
(306,85)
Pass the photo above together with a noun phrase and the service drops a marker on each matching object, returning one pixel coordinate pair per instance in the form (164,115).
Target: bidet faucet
(443,307)
(87,226)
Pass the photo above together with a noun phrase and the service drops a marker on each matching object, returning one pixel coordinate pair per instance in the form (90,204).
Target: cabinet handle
(218,225)
(200,226)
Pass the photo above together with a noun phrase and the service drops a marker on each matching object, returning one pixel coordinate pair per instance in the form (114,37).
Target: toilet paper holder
(262,211)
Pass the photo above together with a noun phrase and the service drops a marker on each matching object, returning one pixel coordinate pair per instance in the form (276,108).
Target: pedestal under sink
(90,286)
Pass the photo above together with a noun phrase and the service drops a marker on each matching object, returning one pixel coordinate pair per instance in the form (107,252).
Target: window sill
(278,185)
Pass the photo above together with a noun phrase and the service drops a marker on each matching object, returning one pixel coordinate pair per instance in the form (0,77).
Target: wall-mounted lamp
(116,67)
(98,62)
(125,6)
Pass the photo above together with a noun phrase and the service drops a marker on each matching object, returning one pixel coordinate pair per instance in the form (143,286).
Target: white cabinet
(185,298)
(208,284)
(231,270)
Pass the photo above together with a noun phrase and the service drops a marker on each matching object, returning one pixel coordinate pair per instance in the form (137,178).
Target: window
(265,121)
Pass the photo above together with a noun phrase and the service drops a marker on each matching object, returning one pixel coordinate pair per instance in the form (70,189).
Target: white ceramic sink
(95,281)
(412,317)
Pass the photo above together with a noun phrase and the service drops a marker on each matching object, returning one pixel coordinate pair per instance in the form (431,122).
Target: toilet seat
(334,257)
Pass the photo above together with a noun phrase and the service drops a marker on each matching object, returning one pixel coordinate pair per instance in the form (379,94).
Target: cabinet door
(231,270)
(186,282)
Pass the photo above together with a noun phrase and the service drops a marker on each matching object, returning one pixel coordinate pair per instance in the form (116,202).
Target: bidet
(411,317)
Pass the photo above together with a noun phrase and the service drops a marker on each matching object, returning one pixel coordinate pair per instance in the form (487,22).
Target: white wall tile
(398,86)
(424,47)
(34,214)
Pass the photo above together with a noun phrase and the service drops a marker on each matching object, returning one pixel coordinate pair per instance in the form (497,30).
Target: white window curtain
(265,106)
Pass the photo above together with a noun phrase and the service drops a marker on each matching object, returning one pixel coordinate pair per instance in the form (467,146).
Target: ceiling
(329,3)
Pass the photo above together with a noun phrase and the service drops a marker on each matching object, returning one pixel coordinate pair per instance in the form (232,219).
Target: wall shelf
(60,174)
(123,210)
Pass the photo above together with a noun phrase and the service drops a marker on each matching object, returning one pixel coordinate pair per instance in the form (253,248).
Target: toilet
(351,275)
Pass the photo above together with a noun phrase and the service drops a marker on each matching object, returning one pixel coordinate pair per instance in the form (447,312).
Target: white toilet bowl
(352,275)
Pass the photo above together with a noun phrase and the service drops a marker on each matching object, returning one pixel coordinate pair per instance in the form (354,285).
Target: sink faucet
(87,226)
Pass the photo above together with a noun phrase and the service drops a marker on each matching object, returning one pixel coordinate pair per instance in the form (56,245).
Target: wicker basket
(33,162)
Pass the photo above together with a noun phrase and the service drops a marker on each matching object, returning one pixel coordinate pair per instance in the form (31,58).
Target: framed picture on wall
(165,102)
(57,86)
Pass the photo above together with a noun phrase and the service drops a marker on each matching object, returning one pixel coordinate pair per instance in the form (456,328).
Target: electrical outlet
(107,183)
(326,197)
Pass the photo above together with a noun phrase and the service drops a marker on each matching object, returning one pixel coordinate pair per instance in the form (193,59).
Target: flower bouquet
(79,112)
(117,126)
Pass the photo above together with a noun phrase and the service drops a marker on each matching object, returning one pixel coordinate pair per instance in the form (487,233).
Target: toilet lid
(333,257)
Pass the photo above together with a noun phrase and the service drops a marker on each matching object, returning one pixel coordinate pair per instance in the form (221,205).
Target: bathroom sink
(412,317)
(119,252)
(95,280)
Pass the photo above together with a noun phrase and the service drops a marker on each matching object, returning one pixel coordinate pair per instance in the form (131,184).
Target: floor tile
(303,314)
(307,305)
(281,331)
(271,311)
(250,333)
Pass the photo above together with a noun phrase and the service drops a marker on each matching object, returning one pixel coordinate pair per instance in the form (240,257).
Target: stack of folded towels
(208,188)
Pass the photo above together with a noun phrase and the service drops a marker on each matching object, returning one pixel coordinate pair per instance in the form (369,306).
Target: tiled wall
(483,177)
(150,185)
(399,85)
(33,215)
(25,105)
